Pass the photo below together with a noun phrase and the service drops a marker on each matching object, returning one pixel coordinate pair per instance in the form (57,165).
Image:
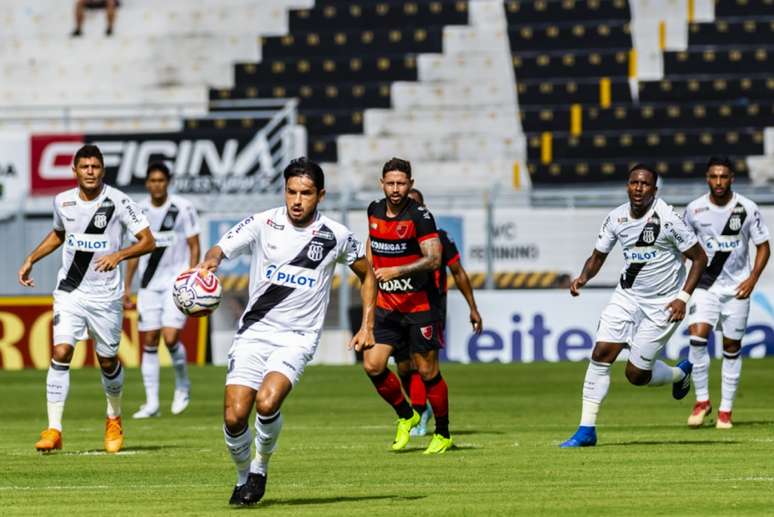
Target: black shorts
(98,4)
(406,339)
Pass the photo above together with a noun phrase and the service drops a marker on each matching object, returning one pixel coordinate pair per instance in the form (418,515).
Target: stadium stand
(588,112)
(411,76)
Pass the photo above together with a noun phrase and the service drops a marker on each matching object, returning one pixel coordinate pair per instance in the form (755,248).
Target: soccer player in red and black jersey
(405,251)
(412,382)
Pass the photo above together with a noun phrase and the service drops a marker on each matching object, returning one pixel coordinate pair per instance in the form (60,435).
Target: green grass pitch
(334,457)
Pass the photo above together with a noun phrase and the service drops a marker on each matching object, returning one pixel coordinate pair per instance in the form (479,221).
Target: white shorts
(261,350)
(157,309)
(724,312)
(642,324)
(77,317)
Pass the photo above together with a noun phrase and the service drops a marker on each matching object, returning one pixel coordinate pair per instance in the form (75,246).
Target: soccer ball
(196,296)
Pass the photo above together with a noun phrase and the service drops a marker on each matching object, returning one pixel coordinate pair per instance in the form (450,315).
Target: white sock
(662,374)
(699,357)
(730,371)
(595,388)
(113,382)
(150,375)
(239,447)
(180,363)
(267,430)
(57,387)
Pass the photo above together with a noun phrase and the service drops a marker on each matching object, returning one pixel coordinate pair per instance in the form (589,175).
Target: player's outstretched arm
(463,284)
(590,269)
(212,259)
(762,254)
(698,263)
(365,336)
(430,261)
(131,268)
(145,244)
(50,242)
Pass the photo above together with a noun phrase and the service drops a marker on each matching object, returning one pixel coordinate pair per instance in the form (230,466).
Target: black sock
(442,426)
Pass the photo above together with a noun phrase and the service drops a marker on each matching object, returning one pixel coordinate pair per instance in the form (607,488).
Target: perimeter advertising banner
(25,337)
(550,325)
(202,161)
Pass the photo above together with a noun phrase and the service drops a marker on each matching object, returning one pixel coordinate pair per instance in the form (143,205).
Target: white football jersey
(725,233)
(291,269)
(172,224)
(652,248)
(93,229)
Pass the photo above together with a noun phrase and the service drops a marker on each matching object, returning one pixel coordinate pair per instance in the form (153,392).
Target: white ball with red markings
(197,292)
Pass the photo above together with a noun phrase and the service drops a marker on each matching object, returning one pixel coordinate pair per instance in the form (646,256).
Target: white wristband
(683,296)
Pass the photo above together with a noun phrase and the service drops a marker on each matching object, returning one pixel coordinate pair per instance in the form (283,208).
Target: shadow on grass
(135,449)
(750,423)
(465,432)
(298,501)
(671,442)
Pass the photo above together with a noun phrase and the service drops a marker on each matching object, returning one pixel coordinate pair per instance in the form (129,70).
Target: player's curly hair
(397,164)
(303,166)
(722,161)
(643,167)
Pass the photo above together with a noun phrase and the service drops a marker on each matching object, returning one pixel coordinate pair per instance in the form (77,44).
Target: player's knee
(373,368)
(602,354)
(234,423)
(107,363)
(731,347)
(267,406)
(636,376)
(404,368)
(62,354)
(429,371)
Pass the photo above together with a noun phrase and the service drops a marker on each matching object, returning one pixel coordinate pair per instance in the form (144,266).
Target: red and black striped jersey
(395,241)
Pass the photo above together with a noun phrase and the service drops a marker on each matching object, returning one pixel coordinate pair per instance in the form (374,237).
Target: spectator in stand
(110,7)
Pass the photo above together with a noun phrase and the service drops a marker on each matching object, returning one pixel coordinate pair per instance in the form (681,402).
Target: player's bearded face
(301,199)
(157,184)
(89,173)
(719,179)
(641,189)
(396,185)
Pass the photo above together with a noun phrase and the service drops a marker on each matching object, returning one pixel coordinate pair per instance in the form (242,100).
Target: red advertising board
(25,337)
(51,162)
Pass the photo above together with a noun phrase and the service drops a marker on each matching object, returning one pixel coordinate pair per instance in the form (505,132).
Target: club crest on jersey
(402,230)
(735,223)
(427,332)
(100,220)
(648,235)
(168,221)
(315,252)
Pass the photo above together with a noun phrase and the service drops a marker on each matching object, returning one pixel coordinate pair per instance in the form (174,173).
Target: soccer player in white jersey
(648,302)
(294,252)
(90,221)
(175,226)
(725,223)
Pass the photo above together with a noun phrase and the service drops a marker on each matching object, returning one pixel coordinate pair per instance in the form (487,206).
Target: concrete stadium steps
(447,175)
(98,95)
(359,149)
(466,64)
(440,123)
(468,93)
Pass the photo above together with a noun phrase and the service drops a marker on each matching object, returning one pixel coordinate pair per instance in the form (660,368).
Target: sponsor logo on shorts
(396,285)
(291,276)
(289,365)
(86,242)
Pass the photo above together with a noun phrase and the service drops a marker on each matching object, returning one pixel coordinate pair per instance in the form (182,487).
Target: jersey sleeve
(450,253)
(424,222)
(131,216)
(679,233)
(191,226)
(606,238)
(759,232)
(241,237)
(351,250)
(58,223)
